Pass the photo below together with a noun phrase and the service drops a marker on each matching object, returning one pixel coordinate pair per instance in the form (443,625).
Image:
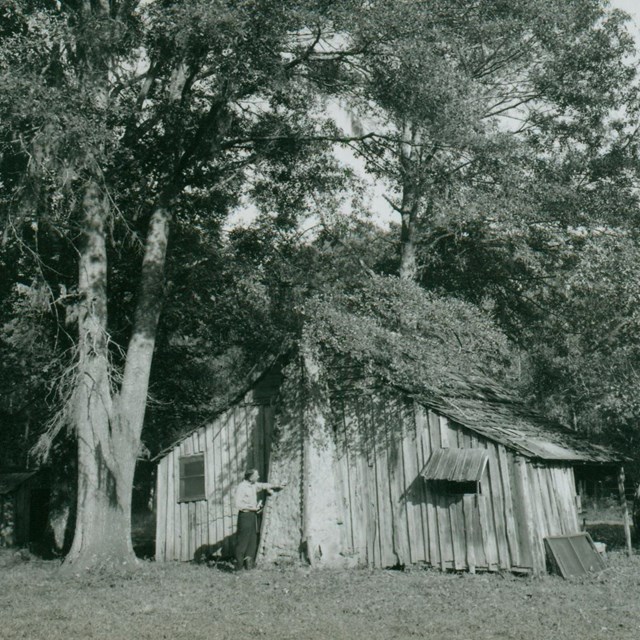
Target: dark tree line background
(503,135)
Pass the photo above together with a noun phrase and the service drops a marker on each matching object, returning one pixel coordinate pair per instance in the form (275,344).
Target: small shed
(15,508)
(377,475)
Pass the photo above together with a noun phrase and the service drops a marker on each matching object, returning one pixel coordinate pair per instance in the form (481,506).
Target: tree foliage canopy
(131,131)
(424,343)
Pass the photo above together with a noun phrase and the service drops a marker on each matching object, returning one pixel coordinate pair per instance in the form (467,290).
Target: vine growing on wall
(393,331)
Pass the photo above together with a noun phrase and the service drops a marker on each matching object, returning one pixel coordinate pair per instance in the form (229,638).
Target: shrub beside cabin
(376,477)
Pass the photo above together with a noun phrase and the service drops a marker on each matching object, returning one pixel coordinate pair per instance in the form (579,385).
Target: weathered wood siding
(391,515)
(551,501)
(236,440)
(387,513)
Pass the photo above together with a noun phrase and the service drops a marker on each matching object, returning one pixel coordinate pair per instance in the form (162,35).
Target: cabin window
(456,472)
(192,478)
(448,487)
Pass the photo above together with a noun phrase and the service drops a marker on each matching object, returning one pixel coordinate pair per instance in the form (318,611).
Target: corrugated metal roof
(11,481)
(510,424)
(574,555)
(456,465)
(491,411)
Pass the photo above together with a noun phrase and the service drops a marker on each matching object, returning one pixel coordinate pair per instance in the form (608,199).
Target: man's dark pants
(247,538)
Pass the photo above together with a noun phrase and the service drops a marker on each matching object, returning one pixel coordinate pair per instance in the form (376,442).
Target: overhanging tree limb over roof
(441,352)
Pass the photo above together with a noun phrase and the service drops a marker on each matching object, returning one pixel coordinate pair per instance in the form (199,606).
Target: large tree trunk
(408,255)
(133,397)
(103,502)
(109,427)
(109,424)
(409,163)
(102,535)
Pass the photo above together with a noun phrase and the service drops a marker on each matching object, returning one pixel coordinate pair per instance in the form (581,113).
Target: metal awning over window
(456,465)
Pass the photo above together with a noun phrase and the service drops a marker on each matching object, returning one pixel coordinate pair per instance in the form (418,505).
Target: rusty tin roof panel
(573,555)
(525,432)
(456,465)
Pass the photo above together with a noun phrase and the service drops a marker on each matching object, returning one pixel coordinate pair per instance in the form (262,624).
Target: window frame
(456,487)
(183,461)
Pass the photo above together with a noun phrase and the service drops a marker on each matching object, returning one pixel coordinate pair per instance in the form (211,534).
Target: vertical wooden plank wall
(545,505)
(234,441)
(381,451)
(553,498)
(426,446)
(495,524)
(391,515)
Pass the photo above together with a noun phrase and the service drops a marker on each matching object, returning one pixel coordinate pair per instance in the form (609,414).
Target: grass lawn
(191,602)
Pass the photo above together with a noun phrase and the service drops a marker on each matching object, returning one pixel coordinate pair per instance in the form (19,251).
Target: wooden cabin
(15,508)
(377,477)
(196,476)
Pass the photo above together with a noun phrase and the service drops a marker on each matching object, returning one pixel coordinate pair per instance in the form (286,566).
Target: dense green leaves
(428,344)
(199,105)
(490,123)
(465,95)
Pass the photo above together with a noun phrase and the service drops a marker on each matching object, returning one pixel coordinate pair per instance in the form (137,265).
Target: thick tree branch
(249,140)
(306,54)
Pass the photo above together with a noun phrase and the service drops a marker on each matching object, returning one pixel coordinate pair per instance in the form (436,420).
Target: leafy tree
(429,344)
(499,144)
(580,221)
(585,353)
(129,130)
(121,119)
(465,93)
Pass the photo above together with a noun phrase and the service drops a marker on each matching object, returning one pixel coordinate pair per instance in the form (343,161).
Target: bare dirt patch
(191,602)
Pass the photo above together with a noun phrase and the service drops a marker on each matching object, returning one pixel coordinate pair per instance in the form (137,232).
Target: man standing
(248,507)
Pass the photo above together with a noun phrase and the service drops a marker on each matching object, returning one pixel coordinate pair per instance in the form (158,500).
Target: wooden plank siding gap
(376,487)
(468,508)
(421,515)
(494,475)
(509,516)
